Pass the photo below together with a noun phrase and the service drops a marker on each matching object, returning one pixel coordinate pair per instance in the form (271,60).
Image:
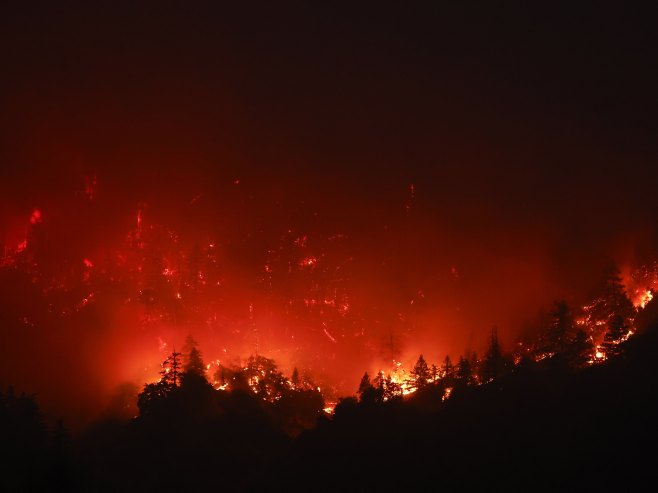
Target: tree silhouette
(380,385)
(447,371)
(465,374)
(420,373)
(192,361)
(195,363)
(151,399)
(559,329)
(611,301)
(171,369)
(367,393)
(24,438)
(493,363)
(434,373)
(294,380)
(364,385)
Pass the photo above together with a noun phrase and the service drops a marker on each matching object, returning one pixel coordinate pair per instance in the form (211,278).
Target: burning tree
(610,302)
(264,378)
(616,333)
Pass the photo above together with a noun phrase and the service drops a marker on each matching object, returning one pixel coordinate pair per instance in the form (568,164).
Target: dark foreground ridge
(543,427)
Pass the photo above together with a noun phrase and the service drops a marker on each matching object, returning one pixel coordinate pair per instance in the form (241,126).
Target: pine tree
(193,363)
(420,373)
(367,392)
(559,329)
(447,371)
(434,373)
(493,363)
(364,386)
(611,301)
(171,370)
(465,375)
(379,384)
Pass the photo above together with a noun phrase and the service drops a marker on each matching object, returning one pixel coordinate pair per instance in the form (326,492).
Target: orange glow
(334,311)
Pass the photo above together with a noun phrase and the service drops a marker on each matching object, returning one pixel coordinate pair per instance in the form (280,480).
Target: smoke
(329,272)
(439,189)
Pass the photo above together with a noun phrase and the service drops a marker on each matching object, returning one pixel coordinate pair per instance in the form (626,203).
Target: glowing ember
(447,393)
(35,218)
(308,262)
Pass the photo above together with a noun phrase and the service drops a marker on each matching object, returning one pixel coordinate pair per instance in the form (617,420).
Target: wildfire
(642,284)
(329,408)
(643,298)
(321,312)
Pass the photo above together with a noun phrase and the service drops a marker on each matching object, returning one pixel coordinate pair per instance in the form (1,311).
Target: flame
(643,298)
(308,262)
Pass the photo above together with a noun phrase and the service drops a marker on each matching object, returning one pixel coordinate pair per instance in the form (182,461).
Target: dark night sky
(549,108)
(528,132)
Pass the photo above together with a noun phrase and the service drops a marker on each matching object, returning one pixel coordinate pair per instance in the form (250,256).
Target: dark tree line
(183,387)
(567,338)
